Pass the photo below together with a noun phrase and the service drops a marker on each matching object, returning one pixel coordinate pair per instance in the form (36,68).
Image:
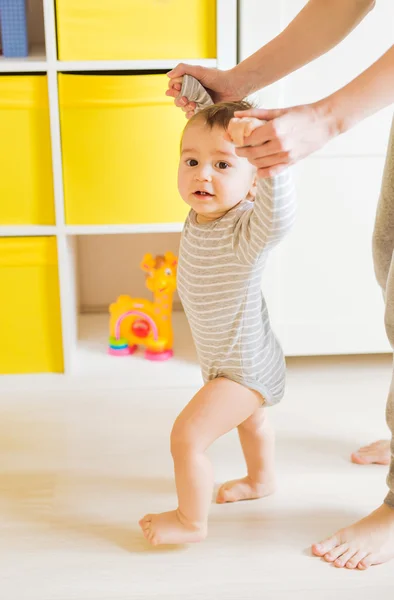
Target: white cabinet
(320,284)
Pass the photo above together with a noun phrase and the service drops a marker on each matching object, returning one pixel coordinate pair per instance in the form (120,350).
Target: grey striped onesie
(219,283)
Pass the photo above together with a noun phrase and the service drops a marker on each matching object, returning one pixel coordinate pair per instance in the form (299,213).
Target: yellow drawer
(136,29)
(120,142)
(26,186)
(31,340)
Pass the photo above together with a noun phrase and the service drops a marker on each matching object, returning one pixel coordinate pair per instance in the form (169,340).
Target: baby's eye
(221,165)
(191,162)
(168,272)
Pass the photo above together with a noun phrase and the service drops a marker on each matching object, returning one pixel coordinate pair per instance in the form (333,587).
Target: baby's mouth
(202,194)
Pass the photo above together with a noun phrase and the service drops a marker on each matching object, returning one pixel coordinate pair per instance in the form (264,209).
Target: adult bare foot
(376,453)
(366,543)
(168,528)
(244,489)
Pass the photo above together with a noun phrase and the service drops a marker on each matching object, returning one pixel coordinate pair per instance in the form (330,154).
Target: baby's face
(212,179)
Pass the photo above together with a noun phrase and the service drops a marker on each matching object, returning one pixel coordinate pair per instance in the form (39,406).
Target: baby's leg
(217,408)
(258,445)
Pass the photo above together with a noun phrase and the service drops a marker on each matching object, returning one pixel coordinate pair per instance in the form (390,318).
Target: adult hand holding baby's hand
(239,131)
(285,136)
(174,89)
(220,85)
(240,128)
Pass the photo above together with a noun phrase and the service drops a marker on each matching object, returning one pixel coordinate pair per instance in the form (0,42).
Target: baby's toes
(145,522)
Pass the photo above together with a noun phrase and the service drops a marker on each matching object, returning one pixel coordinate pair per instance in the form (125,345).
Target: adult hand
(220,85)
(288,135)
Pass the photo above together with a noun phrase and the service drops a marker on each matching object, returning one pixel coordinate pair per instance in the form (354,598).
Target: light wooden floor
(78,469)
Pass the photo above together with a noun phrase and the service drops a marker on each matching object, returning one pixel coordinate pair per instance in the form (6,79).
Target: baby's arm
(273,213)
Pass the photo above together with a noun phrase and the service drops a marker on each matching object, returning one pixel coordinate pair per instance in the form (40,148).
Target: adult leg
(383,247)
(377,453)
(371,540)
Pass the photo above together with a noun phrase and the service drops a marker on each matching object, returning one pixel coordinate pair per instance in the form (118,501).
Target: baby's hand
(240,128)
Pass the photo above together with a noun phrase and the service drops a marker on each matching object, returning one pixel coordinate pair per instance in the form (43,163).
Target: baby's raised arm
(273,213)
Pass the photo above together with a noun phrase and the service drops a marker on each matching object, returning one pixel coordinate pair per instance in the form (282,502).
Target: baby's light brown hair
(219,115)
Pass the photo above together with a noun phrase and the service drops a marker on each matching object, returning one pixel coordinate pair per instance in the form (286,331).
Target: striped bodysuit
(219,283)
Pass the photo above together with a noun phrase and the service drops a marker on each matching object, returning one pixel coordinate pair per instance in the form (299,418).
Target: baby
(234,221)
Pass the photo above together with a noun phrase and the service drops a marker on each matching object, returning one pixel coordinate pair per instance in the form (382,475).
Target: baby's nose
(204,173)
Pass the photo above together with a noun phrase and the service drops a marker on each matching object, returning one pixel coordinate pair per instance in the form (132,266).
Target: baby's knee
(254,422)
(184,438)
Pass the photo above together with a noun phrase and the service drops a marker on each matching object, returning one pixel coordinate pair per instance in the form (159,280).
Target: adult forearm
(320,26)
(365,95)
(290,134)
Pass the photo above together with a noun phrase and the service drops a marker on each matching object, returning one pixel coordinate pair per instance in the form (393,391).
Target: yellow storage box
(136,29)
(26,186)
(120,142)
(30,326)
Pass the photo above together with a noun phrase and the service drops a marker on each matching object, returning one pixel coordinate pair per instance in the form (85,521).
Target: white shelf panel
(36,61)
(113,229)
(91,358)
(26,230)
(130,65)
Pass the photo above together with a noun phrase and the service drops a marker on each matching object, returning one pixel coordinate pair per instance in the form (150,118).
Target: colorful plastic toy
(137,321)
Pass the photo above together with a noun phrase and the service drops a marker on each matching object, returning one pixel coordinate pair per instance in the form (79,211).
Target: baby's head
(212,179)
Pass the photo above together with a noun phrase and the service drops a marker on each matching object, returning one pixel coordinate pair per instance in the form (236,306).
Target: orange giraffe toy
(137,321)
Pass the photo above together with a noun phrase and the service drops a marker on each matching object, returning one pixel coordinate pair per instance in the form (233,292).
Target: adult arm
(293,133)
(320,26)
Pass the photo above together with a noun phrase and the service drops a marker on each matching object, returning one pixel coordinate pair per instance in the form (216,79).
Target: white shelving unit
(78,350)
(36,61)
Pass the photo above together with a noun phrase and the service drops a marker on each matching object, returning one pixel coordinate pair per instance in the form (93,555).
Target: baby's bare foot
(366,543)
(244,489)
(168,528)
(376,453)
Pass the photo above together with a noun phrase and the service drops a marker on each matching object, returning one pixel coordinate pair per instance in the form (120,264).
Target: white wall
(320,285)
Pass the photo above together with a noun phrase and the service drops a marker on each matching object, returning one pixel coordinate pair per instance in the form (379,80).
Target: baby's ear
(253,189)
